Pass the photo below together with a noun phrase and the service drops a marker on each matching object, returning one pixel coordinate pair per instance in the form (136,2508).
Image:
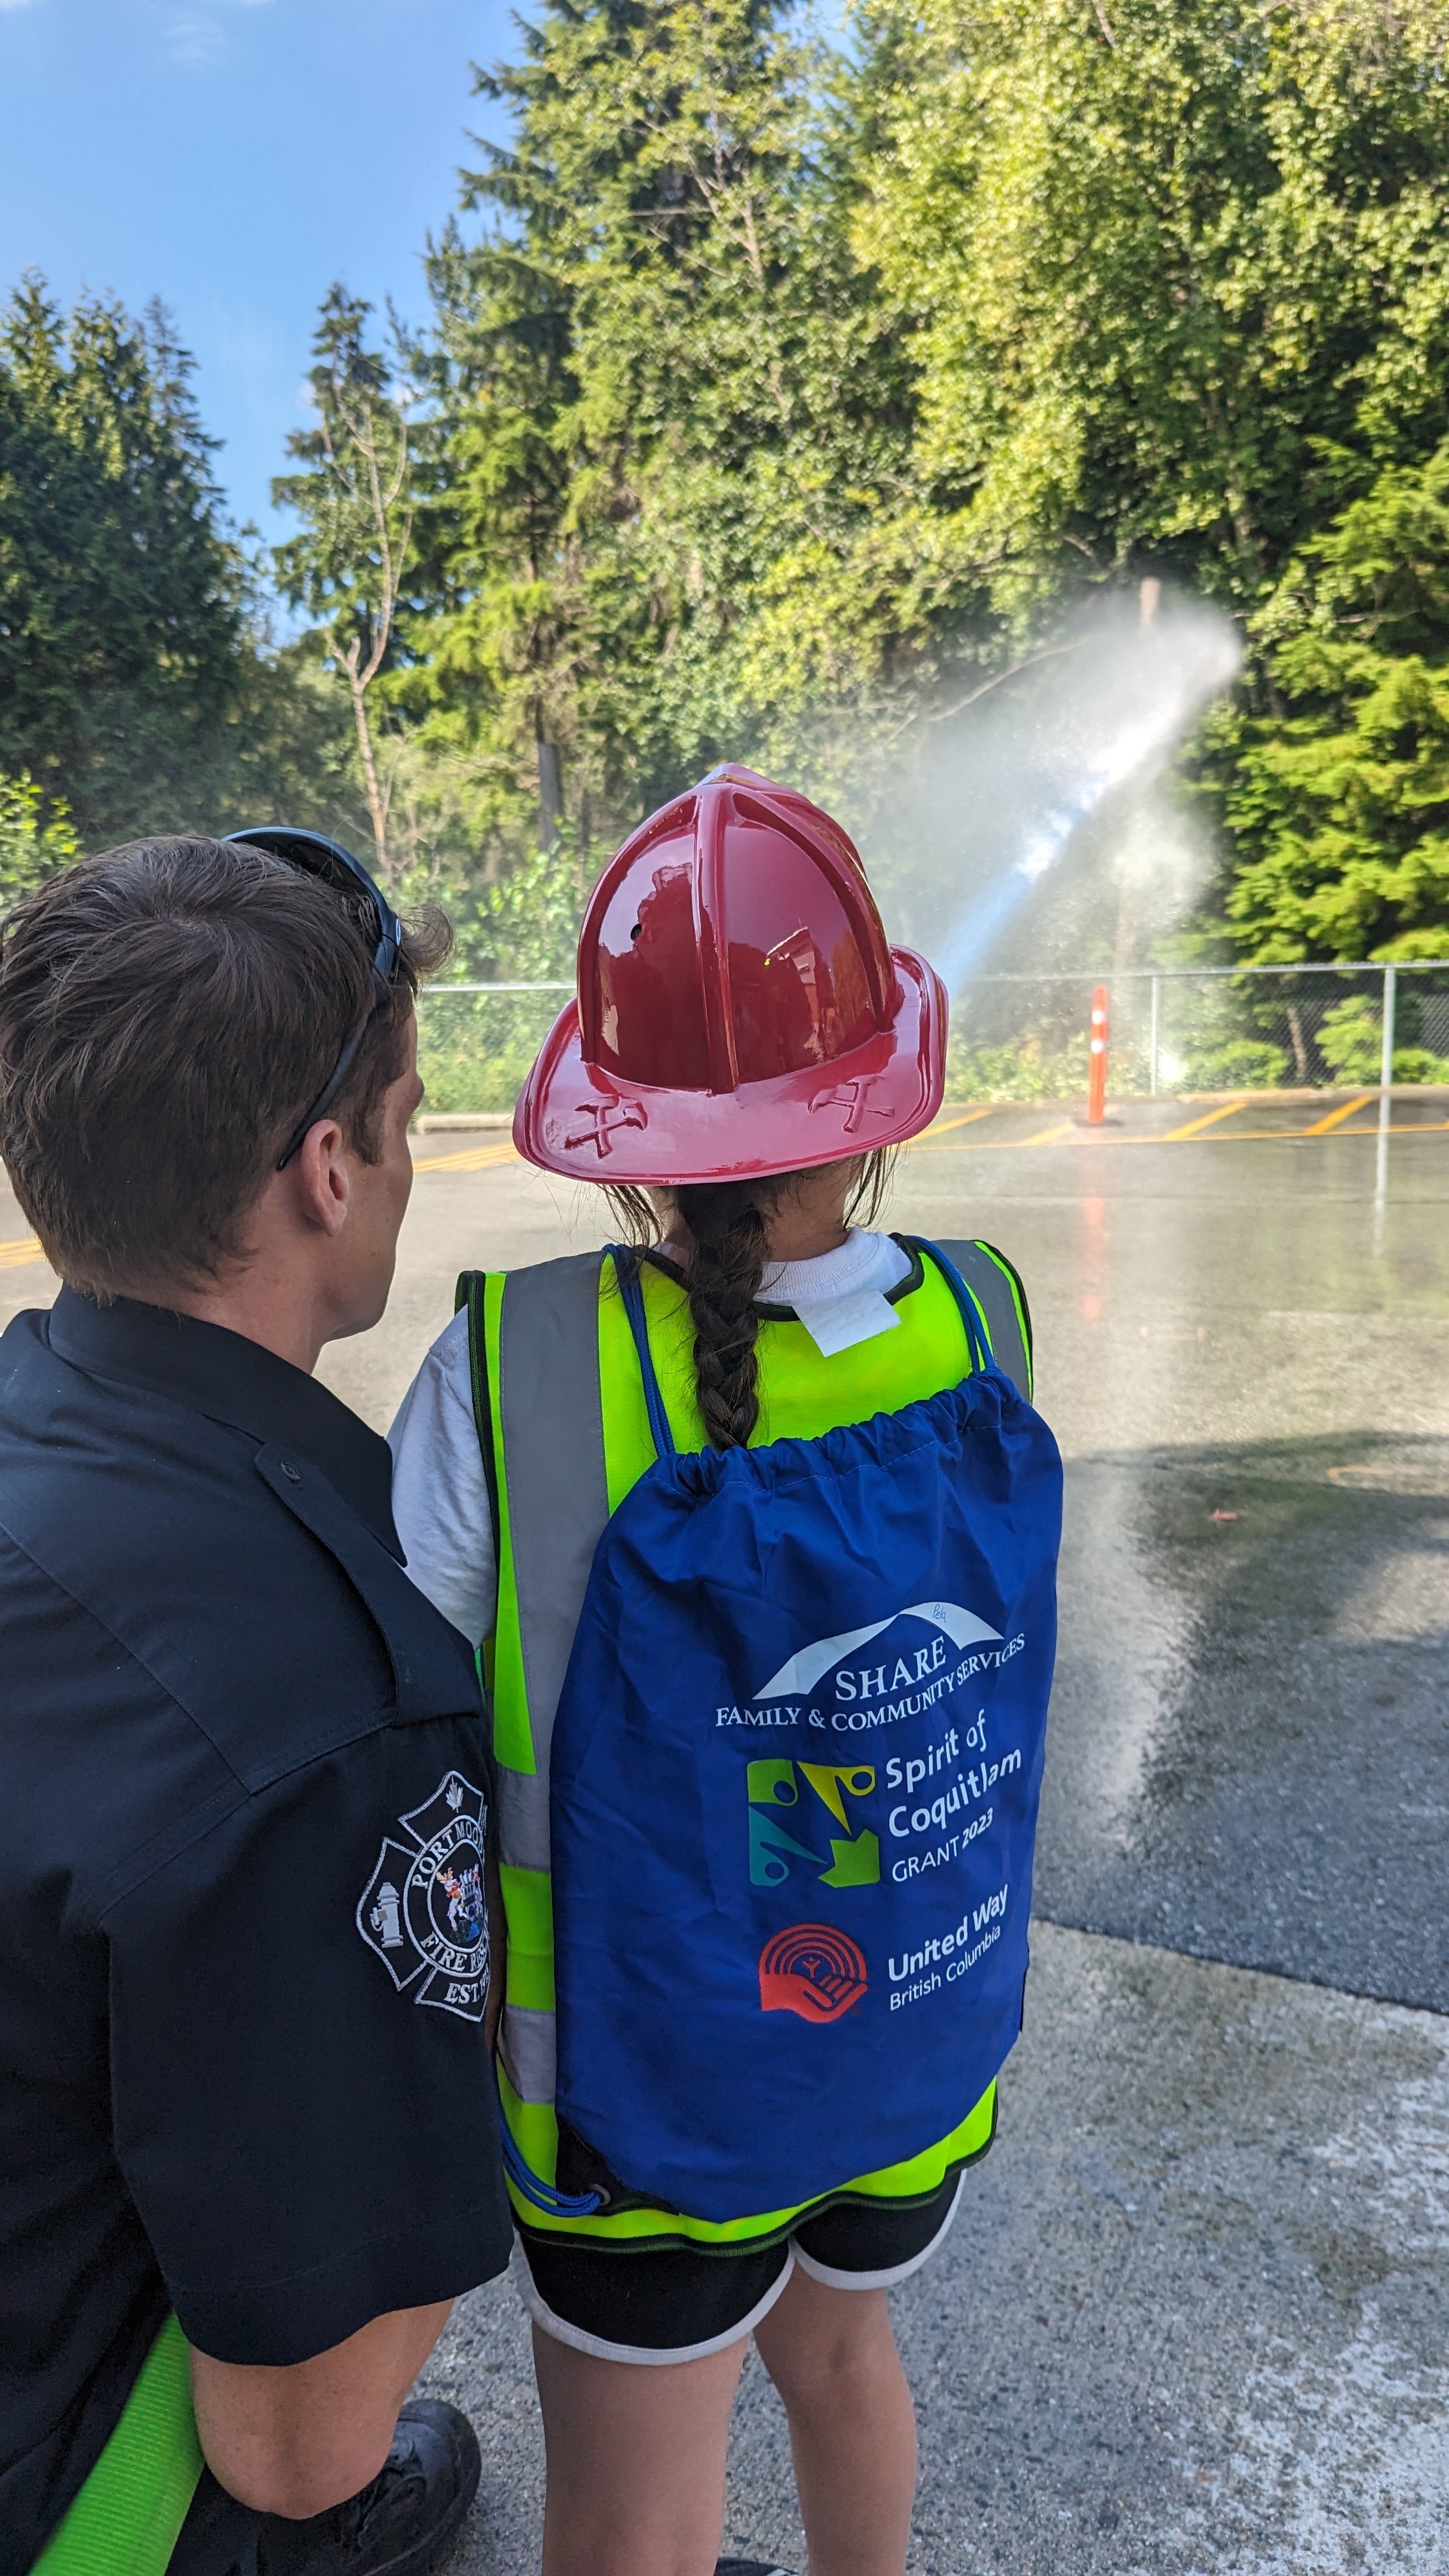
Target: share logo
(812,1970)
(806,1668)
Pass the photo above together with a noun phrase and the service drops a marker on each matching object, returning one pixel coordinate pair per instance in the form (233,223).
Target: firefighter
(248,2110)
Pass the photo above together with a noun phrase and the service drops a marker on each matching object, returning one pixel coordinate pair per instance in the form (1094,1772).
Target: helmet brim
(589,1125)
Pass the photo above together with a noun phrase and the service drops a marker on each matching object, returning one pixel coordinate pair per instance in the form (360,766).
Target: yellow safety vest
(564,1432)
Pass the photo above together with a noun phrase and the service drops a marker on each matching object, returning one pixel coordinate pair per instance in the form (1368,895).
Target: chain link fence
(477,1041)
(1191,1029)
(1024,1037)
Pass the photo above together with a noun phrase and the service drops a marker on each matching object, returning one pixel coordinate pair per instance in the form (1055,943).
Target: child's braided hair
(728,1224)
(723,1274)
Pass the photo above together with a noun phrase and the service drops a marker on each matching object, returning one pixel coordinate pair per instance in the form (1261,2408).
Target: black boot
(400,2525)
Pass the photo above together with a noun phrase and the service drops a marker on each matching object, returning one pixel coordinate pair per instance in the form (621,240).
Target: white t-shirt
(439,1491)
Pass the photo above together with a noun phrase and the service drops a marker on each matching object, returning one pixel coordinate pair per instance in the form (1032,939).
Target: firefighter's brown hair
(168,1011)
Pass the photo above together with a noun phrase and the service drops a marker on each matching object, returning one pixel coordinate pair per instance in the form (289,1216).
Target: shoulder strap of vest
(626,1271)
(999,1291)
(547,1470)
(978,1331)
(470,1291)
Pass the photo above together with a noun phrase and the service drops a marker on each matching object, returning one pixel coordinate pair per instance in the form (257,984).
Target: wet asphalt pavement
(1250,1759)
(1191,2316)
(1244,1357)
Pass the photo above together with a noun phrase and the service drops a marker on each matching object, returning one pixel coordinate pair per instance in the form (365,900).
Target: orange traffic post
(1097,1060)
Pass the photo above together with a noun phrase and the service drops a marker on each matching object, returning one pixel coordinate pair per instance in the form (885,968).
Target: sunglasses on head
(316,856)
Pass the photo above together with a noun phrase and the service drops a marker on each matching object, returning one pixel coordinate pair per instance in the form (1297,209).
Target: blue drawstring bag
(795,1774)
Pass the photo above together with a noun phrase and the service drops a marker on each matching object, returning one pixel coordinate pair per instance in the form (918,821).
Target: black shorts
(623,2302)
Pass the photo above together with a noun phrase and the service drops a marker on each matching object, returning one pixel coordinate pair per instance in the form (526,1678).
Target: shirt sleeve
(440,1496)
(302,2095)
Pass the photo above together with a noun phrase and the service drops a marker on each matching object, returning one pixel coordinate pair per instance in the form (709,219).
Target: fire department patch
(423,1910)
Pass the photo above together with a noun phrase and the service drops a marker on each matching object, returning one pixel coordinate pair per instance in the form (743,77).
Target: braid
(728,1226)
(726,1263)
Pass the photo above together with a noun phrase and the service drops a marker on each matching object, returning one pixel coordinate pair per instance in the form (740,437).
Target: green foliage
(1032,1069)
(137,687)
(1238,1064)
(775,402)
(525,929)
(34,845)
(784,393)
(1178,280)
(473,1053)
(121,596)
(474,1049)
(353,495)
(1350,1040)
(1338,798)
(675,404)
(349,565)
(1153,254)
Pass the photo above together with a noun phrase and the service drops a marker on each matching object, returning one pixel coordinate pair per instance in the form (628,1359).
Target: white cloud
(15,4)
(193,39)
(192,35)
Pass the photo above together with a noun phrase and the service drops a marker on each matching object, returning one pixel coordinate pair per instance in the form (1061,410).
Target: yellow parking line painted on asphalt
(1195,1126)
(1296,1135)
(1200,1131)
(475,1158)
(967,1118)
(1336,1117)
(14,1256)
(1101,1138)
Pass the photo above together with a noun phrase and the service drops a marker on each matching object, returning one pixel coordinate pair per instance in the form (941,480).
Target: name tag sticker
(838,1323)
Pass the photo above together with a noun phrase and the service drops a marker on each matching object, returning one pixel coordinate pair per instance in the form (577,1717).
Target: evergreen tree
(1338,805)
(676,408)
(505,656)
(121,592)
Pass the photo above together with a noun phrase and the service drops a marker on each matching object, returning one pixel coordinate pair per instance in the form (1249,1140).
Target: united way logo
(423,1910)
(812,1970)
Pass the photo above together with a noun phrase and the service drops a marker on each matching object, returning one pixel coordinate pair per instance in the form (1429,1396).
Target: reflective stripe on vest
(129,2513)
(564,1429)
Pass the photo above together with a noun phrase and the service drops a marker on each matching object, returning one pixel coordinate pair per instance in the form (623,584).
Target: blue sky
(234,157)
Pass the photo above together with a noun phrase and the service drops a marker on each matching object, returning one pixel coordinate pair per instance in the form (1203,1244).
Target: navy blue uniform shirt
(243,1947)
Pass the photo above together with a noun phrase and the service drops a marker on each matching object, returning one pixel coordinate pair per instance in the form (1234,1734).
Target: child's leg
(636,2460)
(832,2355)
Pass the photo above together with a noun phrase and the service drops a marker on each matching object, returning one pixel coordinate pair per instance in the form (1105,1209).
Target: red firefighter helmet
(739,1011)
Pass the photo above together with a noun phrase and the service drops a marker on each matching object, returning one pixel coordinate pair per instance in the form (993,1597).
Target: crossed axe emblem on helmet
(606,1115)
(850,1096)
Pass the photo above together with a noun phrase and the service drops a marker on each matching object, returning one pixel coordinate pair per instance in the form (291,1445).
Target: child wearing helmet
(756,1527)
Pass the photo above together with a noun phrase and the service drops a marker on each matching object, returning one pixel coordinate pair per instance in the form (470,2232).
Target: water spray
(1111,715)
